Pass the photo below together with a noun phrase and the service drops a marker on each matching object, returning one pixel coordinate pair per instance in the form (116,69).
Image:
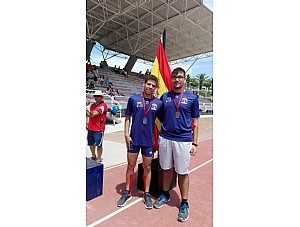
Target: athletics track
(103,211)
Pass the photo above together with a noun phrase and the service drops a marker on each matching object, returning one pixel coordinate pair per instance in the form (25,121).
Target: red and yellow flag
(162,71)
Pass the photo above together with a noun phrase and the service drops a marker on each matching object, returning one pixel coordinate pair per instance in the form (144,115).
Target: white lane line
(205,139)
(111,167)
(203,164)
(121,164)
(114,213)
(136,201)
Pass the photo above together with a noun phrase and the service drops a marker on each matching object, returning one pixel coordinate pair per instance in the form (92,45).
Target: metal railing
(206,107)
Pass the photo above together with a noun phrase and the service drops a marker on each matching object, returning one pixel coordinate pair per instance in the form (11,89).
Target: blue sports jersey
(179,129)
(142,134)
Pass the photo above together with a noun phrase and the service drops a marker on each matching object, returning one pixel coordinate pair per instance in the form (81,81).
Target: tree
(194,82)
(212,87)
(188,80)
(201,78)
(208,83)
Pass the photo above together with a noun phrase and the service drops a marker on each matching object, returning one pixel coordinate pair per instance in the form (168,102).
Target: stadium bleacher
(128,86)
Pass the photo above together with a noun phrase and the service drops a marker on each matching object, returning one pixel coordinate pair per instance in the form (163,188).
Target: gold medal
(177,105)
(144,120)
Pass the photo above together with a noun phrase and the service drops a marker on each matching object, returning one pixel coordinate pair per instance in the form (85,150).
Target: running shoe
(161,200)
(183,214)
(124,199)
(147,201)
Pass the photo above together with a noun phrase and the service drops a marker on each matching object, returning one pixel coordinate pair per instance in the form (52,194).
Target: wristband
(196,145)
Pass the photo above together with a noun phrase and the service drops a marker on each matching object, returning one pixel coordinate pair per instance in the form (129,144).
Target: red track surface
(103,210)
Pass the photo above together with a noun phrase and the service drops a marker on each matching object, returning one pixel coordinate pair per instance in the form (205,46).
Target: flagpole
(164,39)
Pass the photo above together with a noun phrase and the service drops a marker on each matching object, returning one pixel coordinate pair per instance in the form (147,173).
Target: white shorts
(173,153)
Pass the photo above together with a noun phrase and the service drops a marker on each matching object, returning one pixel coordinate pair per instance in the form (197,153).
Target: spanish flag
(162,71)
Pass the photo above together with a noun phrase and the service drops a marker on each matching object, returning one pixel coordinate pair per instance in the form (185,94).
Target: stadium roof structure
(134,27)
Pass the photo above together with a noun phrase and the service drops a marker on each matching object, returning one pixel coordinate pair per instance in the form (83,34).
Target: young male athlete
(178,139)
(143,110)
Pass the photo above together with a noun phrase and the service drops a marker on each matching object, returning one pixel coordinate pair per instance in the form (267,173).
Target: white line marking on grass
(114,213)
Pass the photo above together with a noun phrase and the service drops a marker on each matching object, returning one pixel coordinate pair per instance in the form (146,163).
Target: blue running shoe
(124,199)
(183,214)
(161,200)
(147,200)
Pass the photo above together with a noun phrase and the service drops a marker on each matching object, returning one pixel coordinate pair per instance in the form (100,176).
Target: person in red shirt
(96,125)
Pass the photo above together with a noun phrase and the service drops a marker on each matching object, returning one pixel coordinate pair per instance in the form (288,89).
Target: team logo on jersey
(184,101)
(139,104)
(168,99)
(154,106)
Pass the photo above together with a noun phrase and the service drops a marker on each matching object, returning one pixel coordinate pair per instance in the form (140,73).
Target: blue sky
(204,65)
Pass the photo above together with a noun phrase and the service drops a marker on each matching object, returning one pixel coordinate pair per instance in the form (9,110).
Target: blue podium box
(94,179)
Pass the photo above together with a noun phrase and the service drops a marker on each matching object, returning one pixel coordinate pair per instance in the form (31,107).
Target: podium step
(94,179)
(155,188)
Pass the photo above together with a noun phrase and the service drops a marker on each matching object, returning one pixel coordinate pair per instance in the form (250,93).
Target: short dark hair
(151,77)
(177,70)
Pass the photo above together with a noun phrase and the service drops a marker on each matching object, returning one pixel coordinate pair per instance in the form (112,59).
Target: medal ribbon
(177,105)
(144,105)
